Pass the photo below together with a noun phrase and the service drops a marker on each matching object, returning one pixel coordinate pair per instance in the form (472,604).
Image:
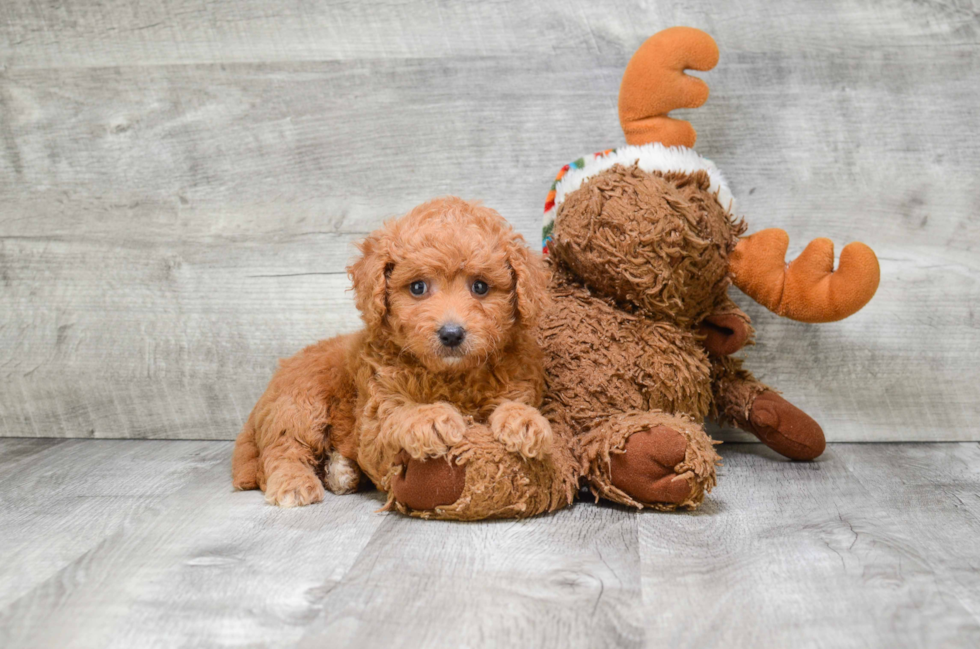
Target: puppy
(449,295)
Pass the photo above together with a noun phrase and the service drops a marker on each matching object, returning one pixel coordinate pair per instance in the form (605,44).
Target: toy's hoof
(645,470)
(785,428)
(427,484)
(724,334)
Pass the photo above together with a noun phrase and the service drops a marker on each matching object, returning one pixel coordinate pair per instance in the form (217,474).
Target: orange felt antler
(808,289)
(655,84)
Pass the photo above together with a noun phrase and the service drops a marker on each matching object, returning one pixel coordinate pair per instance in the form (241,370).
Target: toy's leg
(482,479)
(649,459)
(424,485)
(744,402)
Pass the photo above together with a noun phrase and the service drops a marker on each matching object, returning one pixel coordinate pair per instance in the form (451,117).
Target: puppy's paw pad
(295,490)
(522,429)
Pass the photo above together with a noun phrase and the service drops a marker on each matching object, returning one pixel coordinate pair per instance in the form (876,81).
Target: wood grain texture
(66,498)
(181,182)
(145,544)
(829,554)
(491,584)
(140,543)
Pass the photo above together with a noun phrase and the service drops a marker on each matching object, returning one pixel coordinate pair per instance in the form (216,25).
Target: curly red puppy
(449,295)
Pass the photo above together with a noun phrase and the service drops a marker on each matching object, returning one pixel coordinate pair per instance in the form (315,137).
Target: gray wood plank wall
(180,183)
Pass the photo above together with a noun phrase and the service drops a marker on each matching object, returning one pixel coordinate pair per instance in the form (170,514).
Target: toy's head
(658,241)
(652,224)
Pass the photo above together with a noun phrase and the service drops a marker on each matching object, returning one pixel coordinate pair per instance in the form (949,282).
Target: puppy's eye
(418,288)
(480,287)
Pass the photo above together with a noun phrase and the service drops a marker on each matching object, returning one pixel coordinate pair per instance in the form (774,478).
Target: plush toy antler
(655,84)
(807,289)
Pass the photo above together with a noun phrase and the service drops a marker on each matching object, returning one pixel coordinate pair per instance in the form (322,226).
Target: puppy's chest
(472,393)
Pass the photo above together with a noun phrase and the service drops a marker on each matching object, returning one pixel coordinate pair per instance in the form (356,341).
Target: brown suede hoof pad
(426,484)
(724,334)
(645,471)
(785,428)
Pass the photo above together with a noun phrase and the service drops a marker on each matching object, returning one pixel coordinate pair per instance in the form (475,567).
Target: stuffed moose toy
(643,244)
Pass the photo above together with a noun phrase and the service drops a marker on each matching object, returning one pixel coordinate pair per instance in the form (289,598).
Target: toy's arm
(726,329)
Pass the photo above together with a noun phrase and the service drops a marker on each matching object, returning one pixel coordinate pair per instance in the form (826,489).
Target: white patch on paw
(342,475)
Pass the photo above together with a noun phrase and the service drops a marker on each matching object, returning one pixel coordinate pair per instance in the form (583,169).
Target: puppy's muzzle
(451,335)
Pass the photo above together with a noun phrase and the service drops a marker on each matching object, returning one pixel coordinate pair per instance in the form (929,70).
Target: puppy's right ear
(369,275)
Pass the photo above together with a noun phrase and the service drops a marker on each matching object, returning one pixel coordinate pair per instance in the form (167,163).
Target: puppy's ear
(530,280)
(369,275)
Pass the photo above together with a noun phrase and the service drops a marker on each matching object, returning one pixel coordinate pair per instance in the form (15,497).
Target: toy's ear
(655,84)
(530,280)
(369,275)
(807,289)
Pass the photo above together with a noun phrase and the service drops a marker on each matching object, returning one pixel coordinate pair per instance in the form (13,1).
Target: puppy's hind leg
(289,438)
(290,477)
(306,411)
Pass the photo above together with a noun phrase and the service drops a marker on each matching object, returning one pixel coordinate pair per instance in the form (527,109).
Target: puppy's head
(450,283)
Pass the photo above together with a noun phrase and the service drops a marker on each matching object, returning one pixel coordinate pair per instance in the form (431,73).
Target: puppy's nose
(451,335)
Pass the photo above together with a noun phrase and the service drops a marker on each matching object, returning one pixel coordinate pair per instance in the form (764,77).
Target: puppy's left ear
(369,275)
(530,280)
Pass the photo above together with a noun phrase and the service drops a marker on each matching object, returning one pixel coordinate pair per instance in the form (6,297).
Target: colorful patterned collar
(549,204)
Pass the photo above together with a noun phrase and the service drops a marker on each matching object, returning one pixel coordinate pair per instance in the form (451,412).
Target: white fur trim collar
(649,157)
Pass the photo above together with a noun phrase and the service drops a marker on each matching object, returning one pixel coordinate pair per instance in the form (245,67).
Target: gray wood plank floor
(142,544)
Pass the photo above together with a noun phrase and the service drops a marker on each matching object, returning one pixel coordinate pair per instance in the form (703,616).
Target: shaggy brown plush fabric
(656,242)
(639,285)
(498,483)
(640,259)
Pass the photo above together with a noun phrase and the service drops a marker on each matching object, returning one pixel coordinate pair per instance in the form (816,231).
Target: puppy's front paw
(522,429)
(293,488)
(429,430)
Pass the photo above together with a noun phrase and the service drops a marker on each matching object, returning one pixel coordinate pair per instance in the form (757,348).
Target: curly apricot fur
(393,388)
